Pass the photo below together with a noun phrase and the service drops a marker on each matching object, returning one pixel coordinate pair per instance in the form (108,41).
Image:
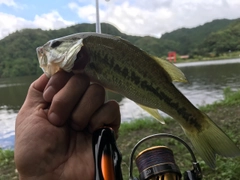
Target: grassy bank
(7,167)
(225,113)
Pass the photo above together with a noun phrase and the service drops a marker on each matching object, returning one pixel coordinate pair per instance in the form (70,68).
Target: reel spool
(157,163)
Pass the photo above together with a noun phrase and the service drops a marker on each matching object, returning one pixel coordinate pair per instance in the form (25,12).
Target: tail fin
(212,141)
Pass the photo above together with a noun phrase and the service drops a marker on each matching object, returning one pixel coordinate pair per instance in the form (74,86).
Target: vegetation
(226,40)
(225,113)
(213,39)
(7,167)
(189,39)
(18,50)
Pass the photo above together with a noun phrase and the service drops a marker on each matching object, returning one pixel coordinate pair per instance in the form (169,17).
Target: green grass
(7,167)
(225,113)
(231,98)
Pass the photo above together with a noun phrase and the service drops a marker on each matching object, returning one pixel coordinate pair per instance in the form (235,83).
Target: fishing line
(154,156)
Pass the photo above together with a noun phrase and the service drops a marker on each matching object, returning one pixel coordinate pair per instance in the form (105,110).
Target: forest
(18,50)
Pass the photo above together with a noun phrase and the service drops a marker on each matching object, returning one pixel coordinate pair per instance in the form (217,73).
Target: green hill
(188,39)
(224,40)
(18,50)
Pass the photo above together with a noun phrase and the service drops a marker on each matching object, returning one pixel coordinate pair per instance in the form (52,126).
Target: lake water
(206,83)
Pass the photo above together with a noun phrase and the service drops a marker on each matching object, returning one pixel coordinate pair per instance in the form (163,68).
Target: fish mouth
(48,68)
(53,58)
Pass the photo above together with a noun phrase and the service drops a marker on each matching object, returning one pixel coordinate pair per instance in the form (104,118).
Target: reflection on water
(7,124)
(13,91)
(129,110)
(206,83)
(12,95)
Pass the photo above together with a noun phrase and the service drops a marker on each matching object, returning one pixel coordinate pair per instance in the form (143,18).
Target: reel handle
(107,157)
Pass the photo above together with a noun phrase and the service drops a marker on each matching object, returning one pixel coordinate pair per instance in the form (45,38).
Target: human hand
(54,126)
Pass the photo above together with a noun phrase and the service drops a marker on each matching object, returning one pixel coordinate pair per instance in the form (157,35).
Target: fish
(119,66)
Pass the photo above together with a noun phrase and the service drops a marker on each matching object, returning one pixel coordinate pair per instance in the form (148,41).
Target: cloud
(129,16)
(52,20)
(159,16)
(12,4)
(85,13)
(8,3)
(10,23)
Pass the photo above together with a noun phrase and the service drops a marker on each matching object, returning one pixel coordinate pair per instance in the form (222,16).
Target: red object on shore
(172,56)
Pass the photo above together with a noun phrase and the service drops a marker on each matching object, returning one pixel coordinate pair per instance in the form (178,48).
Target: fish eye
(55,44)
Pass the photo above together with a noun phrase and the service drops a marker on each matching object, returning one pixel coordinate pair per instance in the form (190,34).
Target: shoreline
(208,62)
(225,114)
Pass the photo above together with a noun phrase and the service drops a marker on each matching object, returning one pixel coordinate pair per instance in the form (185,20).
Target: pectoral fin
(153,112)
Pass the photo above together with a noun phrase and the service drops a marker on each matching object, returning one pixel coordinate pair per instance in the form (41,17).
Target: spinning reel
(154,163)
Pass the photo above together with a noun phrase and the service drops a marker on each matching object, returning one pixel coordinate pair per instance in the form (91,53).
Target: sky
(133,17)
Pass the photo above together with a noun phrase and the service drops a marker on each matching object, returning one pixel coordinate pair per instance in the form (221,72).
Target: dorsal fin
(174,72)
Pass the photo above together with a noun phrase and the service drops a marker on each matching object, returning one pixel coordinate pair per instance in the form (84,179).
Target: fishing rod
(153,163)
(107,157)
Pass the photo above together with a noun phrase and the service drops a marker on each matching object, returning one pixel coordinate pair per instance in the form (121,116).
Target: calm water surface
(206,83)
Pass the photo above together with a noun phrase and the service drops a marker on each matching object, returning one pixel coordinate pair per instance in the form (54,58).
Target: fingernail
(48,94)
(54,119)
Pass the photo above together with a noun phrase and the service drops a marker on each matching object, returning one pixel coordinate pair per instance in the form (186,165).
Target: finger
(34,99)
(107,115)
(92,100)
(40,83)
(34,96)
(66,99)
(56,82)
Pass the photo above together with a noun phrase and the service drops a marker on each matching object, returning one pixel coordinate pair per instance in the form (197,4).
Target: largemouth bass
(122,67)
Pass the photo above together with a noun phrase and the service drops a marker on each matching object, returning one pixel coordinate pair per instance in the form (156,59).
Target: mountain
(224,40)
(18,50)
(190,38)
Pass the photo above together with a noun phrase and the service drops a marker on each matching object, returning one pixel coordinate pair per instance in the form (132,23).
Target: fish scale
(120,66)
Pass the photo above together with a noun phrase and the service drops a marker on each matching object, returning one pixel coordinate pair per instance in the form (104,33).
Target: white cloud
(87,13)
(10,23)
(52,20)
(8,3)
(12,4)
(158,16)
(136,17)
(134,20)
